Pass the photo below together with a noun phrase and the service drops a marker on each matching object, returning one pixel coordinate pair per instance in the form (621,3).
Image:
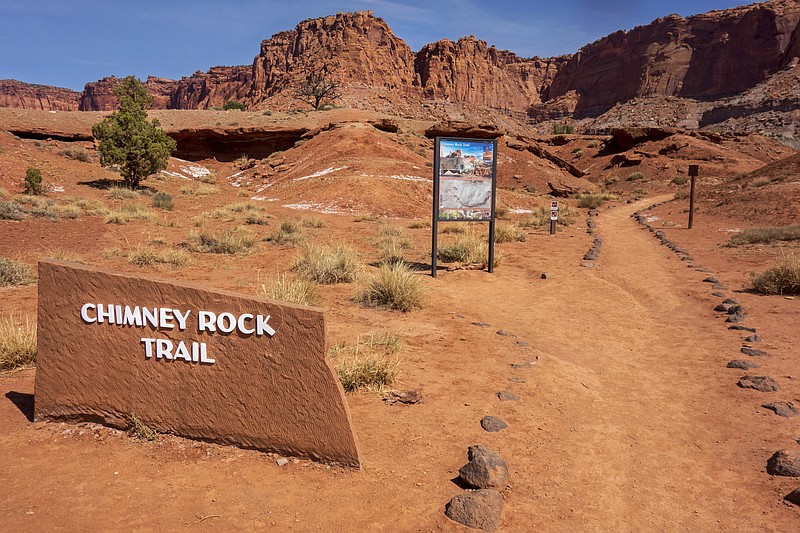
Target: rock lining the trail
(742,365)
(479,509)
(759,383)
(485,469)
(507,396)
(492,424)
(752,352)
(784,463)
(784,409)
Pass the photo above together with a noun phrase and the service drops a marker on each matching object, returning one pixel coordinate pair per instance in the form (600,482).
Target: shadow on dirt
(23,401)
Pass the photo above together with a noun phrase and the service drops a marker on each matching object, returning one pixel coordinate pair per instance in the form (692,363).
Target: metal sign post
(694,171)
(464,187)
(553,217)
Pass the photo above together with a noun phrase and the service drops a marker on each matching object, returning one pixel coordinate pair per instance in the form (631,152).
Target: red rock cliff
(21,95)
(707,56)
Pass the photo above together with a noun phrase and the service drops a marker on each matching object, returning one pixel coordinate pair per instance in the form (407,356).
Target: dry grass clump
(541,216)
(13,273)
(509,233)
(232,241)
(89,207)
(392,243)
(11,211)
(149,256)
(365,218)
(77,154)
(296,291)
(370,364)
(594,199)
(312,222)
(766,235)
(139,430)
(395,286)
(122,193)
(200,190)
(328,264)
(454,229)
(163,200)
(782,278)
(17,343)
(289,234)
(257,219)
(64,255)
(420,224)
(467,249)
(127,213)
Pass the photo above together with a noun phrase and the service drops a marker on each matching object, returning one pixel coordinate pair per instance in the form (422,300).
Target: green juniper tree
(127,139)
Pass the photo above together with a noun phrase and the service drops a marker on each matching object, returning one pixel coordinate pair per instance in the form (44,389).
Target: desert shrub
(467,249)
(680,195)
(90,207)
(766,235)
(200,190)
(312,222)
(296,291)
(561,128)
(122,193)
(149,256)
(3,193)
(636,176)
(500,211)
(32,184)
(371,363)
(395,286)
(67,211)
(11,211)
(328,264)
(760,182)
(163,200)
(679,180)
(14,273)
(64,255)
(256,219)
(243,162)
(781,278)
(454,229)
(128,212)
(232,104)
(209,179)
(365,218)
(17,343)
(541,216)
(239,240)
(288,234)
(509,233)
(77,154)
(578,153)
(591,200)
(420,224)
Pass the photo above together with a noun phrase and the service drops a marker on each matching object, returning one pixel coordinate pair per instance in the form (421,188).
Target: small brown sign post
(694,170)
(553,216)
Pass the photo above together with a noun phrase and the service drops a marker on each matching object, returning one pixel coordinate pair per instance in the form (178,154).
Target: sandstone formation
(28,96)
(706,56)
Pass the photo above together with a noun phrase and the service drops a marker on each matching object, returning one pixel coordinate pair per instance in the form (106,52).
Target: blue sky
(68,43)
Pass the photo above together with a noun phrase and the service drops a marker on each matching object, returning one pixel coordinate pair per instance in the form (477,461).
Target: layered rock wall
(20,95)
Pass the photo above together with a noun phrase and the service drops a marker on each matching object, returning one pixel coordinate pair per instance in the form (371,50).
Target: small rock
(485,469)
(731,301)
(718,294)
(507,396)
(521,343)
(753,338)
(735,309)
(406,397)
(719,286)
(517,380)
(709,279)
(759,383)
(793,497)
(734,319)
(784,463)
(504,333)
(738,327)
(722,308)
(479,509)
(492,424)
(785,409)
(587,264)
(546,275)
(752,352)
(282,461)
(529,364)
(482,324)
(742,365)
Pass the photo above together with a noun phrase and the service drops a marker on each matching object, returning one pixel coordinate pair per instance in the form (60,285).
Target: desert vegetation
(14,273)
(328,264)
(396,287)
(371,363)
(766,235)
(285,289)
(782,278)
(17,342)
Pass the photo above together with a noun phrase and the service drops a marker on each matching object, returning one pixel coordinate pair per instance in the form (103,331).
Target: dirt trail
(628,419)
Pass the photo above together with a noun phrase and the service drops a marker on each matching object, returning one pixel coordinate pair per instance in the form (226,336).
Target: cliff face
(204,90)
(43,97)
(470,71)
(707,56)
(356,49)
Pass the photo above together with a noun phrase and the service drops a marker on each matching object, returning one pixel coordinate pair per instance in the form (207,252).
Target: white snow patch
(652,218)
(56,188)
(260,198)
(521,211)
(234,180)
(329,170)
(195,171)
(731,230)
(409,178)
(175,174)
(329,209)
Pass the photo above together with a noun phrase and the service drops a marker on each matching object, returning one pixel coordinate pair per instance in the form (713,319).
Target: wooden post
(694,170)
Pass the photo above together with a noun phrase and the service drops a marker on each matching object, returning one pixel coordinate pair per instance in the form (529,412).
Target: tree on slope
(127,139)
(316,89)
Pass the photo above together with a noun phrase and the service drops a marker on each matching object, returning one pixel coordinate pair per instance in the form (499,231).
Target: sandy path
(628,421)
